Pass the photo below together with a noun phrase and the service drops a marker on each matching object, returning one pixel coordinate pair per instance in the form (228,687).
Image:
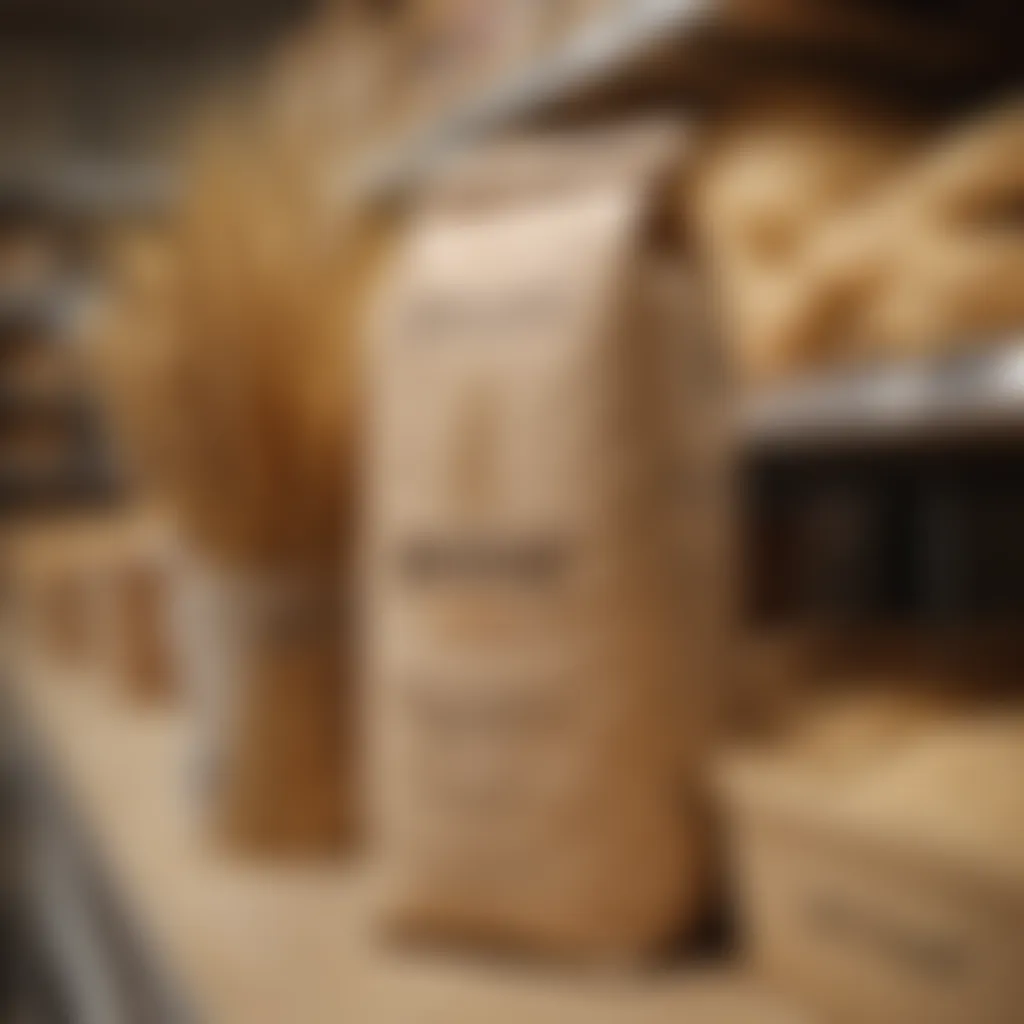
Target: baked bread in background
(774,176)
(837,235)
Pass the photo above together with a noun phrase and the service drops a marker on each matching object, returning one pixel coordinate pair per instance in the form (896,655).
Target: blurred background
(206,211)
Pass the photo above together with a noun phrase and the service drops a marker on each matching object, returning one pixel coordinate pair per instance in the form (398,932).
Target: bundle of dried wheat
(232,366)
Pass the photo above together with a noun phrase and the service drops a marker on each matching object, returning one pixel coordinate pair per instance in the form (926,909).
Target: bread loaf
(775,176)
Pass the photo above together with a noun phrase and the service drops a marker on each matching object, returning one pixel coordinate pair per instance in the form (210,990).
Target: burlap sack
(262,664)
(538,655)
(878,861)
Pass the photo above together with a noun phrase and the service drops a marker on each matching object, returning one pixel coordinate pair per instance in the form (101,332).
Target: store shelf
(684,49)
(102,190)
(76,188)
(260,943)
(78,484)
(26,407)
(601,53)
(969,397)
(37,315)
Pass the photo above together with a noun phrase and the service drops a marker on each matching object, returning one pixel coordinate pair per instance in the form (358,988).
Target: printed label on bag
(452,560)
(935,956)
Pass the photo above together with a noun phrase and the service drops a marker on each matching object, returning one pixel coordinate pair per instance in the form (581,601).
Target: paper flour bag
(540,653)
(261,654)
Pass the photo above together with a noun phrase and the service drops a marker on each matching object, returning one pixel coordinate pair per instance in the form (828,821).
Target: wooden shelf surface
(265,945)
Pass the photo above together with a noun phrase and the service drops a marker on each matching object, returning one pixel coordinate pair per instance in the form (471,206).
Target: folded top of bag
(526,168)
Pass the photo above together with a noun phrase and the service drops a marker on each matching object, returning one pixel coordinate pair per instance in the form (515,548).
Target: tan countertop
(261,945)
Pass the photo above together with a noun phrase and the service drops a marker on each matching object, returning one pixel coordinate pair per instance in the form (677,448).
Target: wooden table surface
(256,944)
